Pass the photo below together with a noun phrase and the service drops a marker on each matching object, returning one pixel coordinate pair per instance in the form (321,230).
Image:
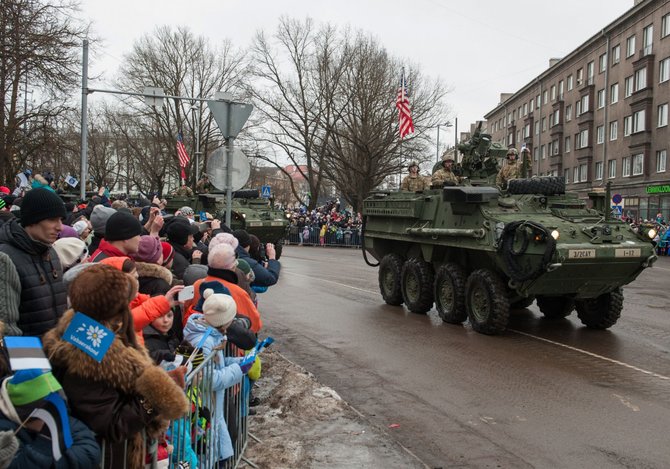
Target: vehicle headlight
(288,215)
(651,233)
(244,215)
(555,234)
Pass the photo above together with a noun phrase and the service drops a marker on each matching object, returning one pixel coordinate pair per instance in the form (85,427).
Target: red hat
(168,252)
(5,190)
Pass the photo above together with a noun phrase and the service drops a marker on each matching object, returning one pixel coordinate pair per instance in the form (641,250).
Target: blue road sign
(617,210)
(617,198)
(266,192)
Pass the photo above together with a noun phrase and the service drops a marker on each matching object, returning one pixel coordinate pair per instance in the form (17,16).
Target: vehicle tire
(449,293)
(487,302)
(545,185)
(601,312)
(390,268)
(523,303)
(417,285)
(555,307)
(246,194)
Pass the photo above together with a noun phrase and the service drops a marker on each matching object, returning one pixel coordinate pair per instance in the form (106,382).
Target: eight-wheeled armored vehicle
(476,251)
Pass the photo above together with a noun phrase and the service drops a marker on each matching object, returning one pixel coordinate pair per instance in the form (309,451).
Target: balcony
(584,153)
(556,130)
(640,139)
(644,96)
(585,117)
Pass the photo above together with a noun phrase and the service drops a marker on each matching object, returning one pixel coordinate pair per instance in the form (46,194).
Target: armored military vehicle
(476,251)
(250,212)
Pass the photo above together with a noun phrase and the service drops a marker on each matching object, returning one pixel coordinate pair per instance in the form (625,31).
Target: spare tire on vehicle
(246,194)
(544,185)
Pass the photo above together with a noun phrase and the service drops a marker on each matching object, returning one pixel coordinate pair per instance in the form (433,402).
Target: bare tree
(40,51)
(183,65)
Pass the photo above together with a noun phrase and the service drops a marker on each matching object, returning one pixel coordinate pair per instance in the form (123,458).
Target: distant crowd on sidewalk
(327,225)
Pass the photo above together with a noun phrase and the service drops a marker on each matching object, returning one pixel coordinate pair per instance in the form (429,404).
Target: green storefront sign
(664,189)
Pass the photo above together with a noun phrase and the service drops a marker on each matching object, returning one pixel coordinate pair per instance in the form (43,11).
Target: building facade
(600,114)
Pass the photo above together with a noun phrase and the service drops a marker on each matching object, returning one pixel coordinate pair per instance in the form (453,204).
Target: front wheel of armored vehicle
(417,285)
(487,302)
(390,268)
(555,307)
(601,312)
(449,293)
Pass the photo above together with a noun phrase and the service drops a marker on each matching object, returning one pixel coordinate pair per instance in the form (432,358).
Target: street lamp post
(446,124)
(195,110)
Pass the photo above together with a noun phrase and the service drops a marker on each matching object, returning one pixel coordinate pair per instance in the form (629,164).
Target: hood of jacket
(13,233)
(146,269)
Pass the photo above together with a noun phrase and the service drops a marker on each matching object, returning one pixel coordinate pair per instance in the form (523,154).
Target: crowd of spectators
(328,224)
(126,268)
(659,224)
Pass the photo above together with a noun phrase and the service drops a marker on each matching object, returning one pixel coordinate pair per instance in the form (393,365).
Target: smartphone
(186,294)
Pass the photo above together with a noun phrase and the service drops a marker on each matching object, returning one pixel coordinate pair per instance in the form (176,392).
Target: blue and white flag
(89,336)
(26,353)
(72,181)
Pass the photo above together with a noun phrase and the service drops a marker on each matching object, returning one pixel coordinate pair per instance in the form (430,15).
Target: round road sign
(616,198)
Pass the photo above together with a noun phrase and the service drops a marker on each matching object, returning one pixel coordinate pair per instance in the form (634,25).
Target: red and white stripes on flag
(181,153)
(404,112)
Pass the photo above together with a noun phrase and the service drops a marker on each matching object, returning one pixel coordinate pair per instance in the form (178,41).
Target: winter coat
(34,305)
(182,259)
(245,307)
(265,277)
(106,250)
(226,373)
(154,279)
(117,398)
(160,346)
(35,450)
(95,241)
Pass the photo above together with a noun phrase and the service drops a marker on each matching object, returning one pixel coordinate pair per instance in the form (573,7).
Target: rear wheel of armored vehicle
(450,293)
(487,302)
(390,268)
(555,307)
(417,285)
(601,312)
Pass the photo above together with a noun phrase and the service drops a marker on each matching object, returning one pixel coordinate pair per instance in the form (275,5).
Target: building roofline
(586,44)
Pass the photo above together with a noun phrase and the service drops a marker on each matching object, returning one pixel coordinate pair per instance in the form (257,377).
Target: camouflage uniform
(203,186)
(443,175)
(511,170)
(414,183)
(184,191)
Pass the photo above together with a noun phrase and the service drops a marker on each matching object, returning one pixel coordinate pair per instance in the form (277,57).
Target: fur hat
(243,237)
(101,292)
(70,251)
(218,309)
(41,204)
(150,250)
(122,226)
(99,218)
(222,257)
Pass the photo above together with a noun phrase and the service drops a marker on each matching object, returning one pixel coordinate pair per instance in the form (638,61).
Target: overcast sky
(480,48)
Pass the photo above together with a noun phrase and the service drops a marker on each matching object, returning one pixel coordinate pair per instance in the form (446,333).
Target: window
(630,46)
(569,80)
(567,144)
(531,105)
(661,158)
(664,70)
(526,131)
(614,93)
(568,113)
(583,173)
(544,124)
(599,170)
(584,105)
(601,98)
(543,152)
(638,121)
(600,134)
(560,89)
(589,72)
(510,139)
(625,166)
(536,153)
(525,109)
(537,102)
(665,25)
(545,97)
(537,127)
(602,62)
(616,54)
(627,125)
(647,39)
(575,173)
(566,175)
(638,164)
(553,92)
(580,77)
(614,130)
(611,169)
(640,79)
(582,139)
(663,115)
(554,148)
(628,86)
(555,118)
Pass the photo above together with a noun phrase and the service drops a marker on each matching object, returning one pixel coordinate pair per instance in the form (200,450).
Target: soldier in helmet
(413,182)
(511,169)
(445,174)
(203,186)
(183,191)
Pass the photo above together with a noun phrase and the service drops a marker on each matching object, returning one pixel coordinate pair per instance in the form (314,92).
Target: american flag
(181,151)
(404,113)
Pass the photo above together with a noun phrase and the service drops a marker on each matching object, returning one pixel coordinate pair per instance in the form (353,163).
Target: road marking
(627,403)
(569,347)
(594,355)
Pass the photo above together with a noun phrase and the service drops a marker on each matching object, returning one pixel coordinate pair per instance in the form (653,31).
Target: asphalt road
(544,394)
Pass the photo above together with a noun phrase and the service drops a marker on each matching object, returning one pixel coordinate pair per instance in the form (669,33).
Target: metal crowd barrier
(344,238)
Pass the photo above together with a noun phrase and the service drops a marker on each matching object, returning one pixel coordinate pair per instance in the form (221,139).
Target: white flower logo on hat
(95,335)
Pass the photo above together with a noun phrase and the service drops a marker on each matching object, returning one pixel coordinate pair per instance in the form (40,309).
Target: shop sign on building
(660,189)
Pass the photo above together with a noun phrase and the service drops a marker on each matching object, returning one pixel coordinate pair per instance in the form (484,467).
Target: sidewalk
(302,424)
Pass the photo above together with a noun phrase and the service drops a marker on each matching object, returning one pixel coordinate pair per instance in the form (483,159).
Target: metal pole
(197,146)
(437,157)
(84,122)
(455,139)
(229,170)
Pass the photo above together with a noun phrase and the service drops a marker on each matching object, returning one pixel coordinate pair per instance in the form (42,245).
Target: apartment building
(601,113)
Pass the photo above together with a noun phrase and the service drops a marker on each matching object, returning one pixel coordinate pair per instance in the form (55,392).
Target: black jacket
(42,299)
(161,346)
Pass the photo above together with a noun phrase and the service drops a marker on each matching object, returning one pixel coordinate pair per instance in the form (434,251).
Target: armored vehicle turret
(476,251)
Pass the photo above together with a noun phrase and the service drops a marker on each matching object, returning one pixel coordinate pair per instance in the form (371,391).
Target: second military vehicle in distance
(476,251)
